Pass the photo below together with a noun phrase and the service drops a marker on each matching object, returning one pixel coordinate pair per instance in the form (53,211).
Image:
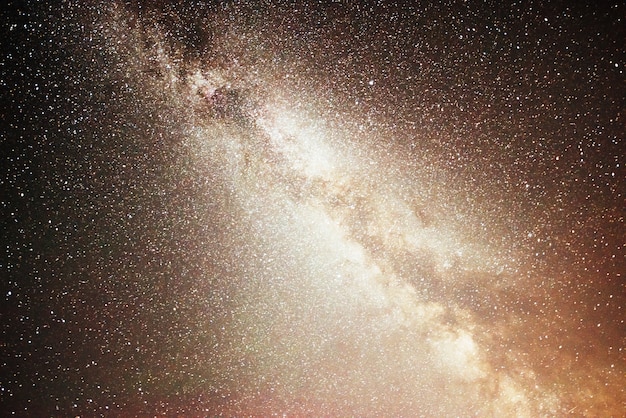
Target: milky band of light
(262,243)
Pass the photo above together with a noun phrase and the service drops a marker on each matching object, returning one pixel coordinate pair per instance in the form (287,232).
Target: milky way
(313,210)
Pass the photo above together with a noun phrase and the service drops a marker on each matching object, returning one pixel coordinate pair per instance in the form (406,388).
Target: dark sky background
(138,262)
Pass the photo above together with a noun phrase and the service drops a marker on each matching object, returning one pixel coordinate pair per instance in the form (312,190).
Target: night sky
(336,209)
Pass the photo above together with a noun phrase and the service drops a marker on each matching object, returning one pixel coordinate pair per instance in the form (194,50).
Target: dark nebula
(305,209)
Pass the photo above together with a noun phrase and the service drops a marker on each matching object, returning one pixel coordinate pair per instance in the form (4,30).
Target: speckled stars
(312,210)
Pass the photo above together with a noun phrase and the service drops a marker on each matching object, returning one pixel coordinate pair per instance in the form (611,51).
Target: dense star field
(335,209)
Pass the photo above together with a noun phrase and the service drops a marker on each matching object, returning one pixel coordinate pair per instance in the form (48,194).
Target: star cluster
(268,208)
